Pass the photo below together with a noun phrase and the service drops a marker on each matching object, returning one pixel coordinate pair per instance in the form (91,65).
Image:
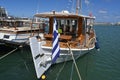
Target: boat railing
(61,37)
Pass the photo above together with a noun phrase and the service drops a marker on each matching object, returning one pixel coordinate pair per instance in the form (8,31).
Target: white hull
(42,55)
(64,52)
(14,38)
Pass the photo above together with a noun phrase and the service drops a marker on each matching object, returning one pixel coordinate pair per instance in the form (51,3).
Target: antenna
(72,8)
(37,7)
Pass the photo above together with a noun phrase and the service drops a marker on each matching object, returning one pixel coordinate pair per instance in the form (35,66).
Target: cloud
(87,2)
(106,17)
(102,11)
(117,17)
(70,0)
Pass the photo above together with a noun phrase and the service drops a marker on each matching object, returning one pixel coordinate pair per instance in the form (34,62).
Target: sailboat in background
(65,36)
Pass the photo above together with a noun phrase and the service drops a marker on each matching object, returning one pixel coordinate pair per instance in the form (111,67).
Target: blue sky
(104,10)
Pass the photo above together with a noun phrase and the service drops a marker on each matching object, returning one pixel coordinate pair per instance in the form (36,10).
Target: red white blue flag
(56,47)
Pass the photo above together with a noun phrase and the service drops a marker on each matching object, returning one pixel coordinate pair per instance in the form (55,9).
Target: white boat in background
(17,31)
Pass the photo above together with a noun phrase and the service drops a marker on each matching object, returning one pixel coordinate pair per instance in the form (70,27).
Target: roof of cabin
(63,14)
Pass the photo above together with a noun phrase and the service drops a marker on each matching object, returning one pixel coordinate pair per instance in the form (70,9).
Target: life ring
(90,42)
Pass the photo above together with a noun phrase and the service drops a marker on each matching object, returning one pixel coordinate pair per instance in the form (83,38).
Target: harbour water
(96,65)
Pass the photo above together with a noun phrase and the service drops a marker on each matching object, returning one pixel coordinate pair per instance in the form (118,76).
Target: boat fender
(90,42)
(97,44)
(43,77)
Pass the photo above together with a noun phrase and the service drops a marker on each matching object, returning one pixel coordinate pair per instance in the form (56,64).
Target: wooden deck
(62,37)
(63,44)
(64,40)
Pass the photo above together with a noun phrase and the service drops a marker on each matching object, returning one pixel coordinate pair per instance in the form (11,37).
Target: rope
(74,62)
(60,70)
(8,53)
(62,67)
(71,71)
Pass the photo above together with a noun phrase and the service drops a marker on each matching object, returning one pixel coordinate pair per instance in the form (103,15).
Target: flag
(90,14)
(56,48)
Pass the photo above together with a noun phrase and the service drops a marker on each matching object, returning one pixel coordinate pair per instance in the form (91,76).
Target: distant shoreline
(106,24)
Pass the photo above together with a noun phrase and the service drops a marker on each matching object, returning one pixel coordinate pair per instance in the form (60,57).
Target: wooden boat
(76,35)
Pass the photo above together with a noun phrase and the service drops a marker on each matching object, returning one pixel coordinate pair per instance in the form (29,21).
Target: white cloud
(87,2)
(117,17)
(70,0)
(106,17)
(102,11)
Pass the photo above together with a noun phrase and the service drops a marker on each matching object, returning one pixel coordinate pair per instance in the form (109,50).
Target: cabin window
(10,24)
(6,36)
(26,24)
(89,26)
(0,23)
(65,26)
(42,24)
(68,26)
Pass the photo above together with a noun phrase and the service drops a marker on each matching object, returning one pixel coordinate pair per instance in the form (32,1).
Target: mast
(78,6)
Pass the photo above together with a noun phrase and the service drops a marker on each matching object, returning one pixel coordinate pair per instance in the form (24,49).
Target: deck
(65,40)
(18,29)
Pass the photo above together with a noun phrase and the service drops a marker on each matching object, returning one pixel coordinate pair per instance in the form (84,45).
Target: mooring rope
(60,70)
(71,71)
(8,53)
(74,62)
(26,42)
